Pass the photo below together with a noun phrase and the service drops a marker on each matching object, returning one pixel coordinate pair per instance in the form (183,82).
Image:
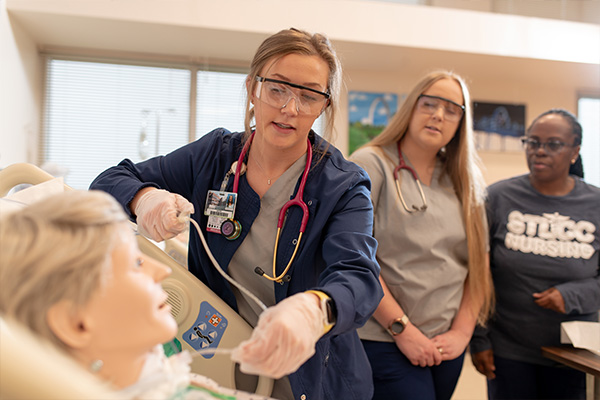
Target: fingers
(484,363)
(551,299)
(429,358)
(183,206)
(283,339)
(158,214)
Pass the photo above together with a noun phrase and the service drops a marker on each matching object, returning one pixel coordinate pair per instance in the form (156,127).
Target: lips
(433,128)
(283,126)
(539,165)
(163,302)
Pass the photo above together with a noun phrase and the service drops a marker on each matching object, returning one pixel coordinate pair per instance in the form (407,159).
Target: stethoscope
(402,165)
(232,228)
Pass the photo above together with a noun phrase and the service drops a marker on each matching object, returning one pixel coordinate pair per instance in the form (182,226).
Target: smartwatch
(398,325)
(328,308)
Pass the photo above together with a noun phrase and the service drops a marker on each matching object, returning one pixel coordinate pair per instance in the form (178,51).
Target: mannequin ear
(67,322)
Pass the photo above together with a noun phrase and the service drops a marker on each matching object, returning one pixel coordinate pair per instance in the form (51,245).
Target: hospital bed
(204,320)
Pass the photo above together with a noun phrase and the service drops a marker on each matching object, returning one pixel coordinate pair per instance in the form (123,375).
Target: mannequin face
(129,313)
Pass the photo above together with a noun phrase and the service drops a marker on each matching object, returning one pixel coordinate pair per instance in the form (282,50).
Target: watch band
(397,326)
(327,309)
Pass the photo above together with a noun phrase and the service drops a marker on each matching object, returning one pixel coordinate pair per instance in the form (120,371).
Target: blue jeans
(525,381)
(395,378)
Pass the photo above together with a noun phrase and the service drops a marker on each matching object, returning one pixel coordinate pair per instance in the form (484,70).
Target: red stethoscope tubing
(402,165)
(297,200)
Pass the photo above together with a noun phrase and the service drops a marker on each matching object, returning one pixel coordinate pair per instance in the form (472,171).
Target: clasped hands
(425,352)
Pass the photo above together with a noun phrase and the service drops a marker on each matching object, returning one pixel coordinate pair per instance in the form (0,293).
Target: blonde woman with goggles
(428,199)
(311,259)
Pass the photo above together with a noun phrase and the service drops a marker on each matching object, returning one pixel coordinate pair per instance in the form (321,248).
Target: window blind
(97,114)
(589,118)
(220,101)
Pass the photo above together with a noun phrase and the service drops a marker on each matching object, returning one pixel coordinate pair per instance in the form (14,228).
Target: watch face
(397,327)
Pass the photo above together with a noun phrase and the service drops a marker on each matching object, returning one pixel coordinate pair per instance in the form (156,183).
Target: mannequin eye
(138,262)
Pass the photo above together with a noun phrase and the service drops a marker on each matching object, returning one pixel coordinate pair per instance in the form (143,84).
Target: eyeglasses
(427,104)
(552,146)
(278,94)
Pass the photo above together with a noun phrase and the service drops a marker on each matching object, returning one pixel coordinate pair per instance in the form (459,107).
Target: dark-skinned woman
(544,241)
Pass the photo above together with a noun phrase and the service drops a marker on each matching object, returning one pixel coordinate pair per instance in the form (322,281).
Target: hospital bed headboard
(203,319)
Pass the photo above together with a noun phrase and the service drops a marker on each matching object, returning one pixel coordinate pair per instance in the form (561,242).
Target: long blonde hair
(462,164)
(295,41)
(56,249)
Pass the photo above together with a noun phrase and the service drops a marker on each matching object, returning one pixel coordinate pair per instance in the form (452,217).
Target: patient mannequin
(71,272)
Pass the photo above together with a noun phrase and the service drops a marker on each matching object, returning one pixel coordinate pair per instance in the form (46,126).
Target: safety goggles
(427,104)
(278,94)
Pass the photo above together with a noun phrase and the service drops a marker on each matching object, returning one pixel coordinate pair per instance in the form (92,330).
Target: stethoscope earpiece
(231,229)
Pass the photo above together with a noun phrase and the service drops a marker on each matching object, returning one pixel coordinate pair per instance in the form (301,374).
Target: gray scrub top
(423,255)
(257,250)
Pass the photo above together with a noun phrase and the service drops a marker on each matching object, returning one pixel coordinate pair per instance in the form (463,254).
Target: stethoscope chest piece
(231,229)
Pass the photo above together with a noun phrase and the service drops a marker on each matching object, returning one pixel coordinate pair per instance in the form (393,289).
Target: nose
(157,270)
(293,109)
(439,112)
(541,149)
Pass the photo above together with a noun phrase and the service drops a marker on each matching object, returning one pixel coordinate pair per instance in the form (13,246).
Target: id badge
(219,207)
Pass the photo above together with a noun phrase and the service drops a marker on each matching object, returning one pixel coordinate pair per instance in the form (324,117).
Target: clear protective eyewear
(453,112)
(552,146)
(278,94)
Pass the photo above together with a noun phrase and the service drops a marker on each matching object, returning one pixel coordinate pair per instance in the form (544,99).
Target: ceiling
(204,45)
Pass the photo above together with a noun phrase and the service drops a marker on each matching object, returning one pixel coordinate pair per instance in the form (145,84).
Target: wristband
(327,308)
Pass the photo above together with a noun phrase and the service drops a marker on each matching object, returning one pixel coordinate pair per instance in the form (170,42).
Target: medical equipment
(402,165)
(296,201)
(204,320)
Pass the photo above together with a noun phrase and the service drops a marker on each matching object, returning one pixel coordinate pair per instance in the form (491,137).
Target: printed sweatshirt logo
(551,235)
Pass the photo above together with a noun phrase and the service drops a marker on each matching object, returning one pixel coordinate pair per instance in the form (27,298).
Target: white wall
(20,93)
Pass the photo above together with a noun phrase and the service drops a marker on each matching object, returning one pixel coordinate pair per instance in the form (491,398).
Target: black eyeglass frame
(263,79)
(526,141)
(444,99)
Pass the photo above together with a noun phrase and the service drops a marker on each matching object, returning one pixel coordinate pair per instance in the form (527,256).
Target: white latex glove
(284,337)
(161,214)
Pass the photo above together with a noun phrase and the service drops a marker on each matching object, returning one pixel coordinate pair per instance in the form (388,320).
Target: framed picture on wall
(368,114)
(498,126)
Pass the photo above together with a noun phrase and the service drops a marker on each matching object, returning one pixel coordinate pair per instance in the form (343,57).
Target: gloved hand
(161,214)
(284,337)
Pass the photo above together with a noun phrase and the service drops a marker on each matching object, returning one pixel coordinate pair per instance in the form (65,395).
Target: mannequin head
(71,272)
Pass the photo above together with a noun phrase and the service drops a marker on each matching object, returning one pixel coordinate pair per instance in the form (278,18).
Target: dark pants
(395,378)
(524,381)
